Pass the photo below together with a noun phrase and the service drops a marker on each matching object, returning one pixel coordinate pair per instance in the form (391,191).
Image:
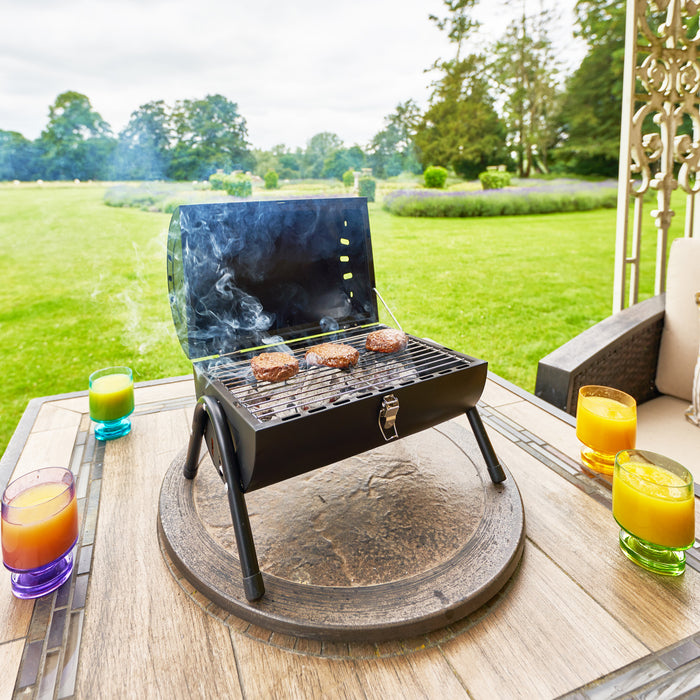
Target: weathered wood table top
(576,617)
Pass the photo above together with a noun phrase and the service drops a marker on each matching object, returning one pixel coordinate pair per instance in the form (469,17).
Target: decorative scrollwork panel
(662,118)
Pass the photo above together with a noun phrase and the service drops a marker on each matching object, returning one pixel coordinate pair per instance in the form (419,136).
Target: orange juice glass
(606,422)
(39,530)
(654,505)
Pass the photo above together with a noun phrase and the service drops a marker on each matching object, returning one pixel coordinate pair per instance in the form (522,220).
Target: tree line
(504,105)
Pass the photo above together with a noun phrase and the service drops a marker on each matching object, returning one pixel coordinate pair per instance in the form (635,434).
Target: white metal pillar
(660,99)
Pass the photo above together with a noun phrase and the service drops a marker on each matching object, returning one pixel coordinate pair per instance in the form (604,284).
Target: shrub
(435,176)
(494,180)
(141,197)
(367,188)
(271,180)
(349,178)
(238,185)
(216,180)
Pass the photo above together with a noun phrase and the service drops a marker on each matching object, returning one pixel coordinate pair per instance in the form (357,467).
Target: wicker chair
(649,350)
(621,351)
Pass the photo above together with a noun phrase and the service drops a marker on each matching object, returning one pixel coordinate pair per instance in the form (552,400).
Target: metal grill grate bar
(315,388)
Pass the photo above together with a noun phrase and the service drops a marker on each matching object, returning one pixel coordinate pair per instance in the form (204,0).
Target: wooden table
(576,617)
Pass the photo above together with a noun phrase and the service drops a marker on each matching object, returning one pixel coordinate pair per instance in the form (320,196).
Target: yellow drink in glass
(111,397)
(606,422)
(654,505)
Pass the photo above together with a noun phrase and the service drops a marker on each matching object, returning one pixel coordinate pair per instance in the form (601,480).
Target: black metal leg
(198,424)
(209,407)
(492,464)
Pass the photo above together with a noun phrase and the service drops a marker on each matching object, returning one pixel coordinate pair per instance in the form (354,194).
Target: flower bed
(537,197)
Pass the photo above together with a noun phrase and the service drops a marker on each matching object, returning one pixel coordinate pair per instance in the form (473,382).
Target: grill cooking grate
(316,388)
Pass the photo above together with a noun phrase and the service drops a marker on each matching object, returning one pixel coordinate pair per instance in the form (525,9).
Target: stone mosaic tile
(70,661)
(682,654)
(31,661)
(79,592)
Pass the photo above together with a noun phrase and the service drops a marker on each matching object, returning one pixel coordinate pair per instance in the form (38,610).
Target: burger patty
(386,340)
(336,355)
(274,366)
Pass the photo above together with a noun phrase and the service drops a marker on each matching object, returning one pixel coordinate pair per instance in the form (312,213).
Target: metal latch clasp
(387,416)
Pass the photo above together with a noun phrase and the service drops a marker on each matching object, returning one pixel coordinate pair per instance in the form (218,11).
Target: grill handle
(386,306)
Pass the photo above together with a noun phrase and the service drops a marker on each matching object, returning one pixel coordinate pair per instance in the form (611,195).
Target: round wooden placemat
(394,542)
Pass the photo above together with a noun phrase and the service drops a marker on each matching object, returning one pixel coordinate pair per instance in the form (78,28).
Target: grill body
(249,277)
(325,415)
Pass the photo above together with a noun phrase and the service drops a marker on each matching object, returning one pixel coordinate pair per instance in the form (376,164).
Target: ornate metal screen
(660,134)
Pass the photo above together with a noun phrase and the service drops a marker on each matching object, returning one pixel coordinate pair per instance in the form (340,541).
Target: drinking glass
(111,401)
(39,530)
(654,505)
(606,422)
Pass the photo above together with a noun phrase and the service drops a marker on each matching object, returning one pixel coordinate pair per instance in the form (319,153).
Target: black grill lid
(241,273)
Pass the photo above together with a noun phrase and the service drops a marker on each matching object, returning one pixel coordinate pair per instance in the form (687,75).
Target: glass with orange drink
(39,530)
(606,422)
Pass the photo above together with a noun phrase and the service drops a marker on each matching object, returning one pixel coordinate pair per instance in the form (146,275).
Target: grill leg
(209,407)
(492,464)
(199,422)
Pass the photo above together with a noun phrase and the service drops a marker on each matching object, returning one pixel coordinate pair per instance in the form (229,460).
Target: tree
(210,135)
(143,152)
(319,147)
(461,128)
(392,150)
(458,24)
(592,104)
(77,142)
(524,68)
(19,157)
(290,164)
(341,160)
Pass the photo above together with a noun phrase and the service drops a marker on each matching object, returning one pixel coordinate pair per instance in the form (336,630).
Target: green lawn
(84,287)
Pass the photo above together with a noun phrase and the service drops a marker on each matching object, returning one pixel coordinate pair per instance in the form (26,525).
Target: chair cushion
(662,428)
(680,337)
(693,412)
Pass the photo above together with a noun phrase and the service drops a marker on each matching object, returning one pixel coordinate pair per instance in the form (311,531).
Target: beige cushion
(681,334)
(693,412)
(662,427)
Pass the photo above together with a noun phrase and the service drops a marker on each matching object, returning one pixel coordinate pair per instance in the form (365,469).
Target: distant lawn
(84,287)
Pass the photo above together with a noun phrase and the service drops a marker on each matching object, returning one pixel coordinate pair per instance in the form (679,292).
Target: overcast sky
(294,67)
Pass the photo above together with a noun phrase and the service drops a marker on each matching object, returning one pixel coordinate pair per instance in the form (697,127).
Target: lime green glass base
(597,461)
(653,557)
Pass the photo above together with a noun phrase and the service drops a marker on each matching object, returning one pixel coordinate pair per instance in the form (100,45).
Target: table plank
(268,671)
(164,391)
(48,448)
(52,416)
(271,672)
(581,535)
(546,426)
(424,674)
(546,637)
(495,394)
(10,657)
(14,613)
(137,617)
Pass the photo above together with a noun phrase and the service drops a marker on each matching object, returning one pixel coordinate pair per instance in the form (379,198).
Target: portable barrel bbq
(258,276)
